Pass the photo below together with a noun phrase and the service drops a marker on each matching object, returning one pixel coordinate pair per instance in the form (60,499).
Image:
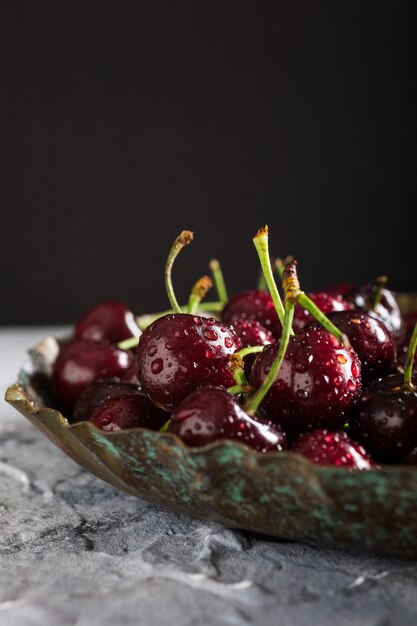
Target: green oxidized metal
(280,494)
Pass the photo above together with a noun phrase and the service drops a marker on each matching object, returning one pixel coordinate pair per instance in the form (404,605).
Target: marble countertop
(75,551)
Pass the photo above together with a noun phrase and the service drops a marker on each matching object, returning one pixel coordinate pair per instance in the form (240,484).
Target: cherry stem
(262,286)
(261,244)
(180,242)
(381,281)
(279,266)
(198,292)
(254,401)
(165,426)
(304,301)
(218,278)
(127,344)
(250,350)
(236,389)
(238,371)
(409,362)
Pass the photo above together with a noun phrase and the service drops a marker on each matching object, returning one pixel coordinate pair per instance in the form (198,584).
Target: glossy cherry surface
(410,320)
(387,310)
(252,333)
(108,320)
(324,302)
(179,353)
(81,361)
(370,339)
(98,392)
(252,305)
(318,381)
(128,410)
(384,420)
(212,413)
(332,448)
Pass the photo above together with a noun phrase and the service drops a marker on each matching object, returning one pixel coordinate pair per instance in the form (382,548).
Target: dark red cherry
(339,289)
(179,353)
(98,392)
(411,459)
(384,420)
(324,302)
(317,383)
(128,410)
(108,320)
(410,320)
(212,413)
(81,361)
(252,333)
(370,339)
(252,305)
(332,448)
(387,310)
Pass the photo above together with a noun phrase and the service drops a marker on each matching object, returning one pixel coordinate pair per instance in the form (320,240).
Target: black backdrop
(128,122)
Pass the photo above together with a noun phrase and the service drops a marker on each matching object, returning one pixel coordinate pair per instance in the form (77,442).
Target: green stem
(236,389)
(304,301)
(218,278)
(165,426)
(180,242)
(250,350)
(409,362)
(254,401)
(261,244)
(127,344)
(381,281)
(262,286)
(198,292)
(279,266)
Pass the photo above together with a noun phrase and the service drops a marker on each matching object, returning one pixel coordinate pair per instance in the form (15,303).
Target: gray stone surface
(75,551)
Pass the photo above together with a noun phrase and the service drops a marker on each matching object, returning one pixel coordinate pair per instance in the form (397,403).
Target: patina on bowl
(280,494)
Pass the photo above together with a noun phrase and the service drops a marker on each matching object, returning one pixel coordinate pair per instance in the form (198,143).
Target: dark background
(127,122)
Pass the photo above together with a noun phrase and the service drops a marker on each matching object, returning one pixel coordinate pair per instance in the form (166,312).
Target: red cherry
(384,420)
(252,333)
(212,413)
(108,320)
(179,353)
(332,448)
(253,305)
(410,320)
(325,303)
(317,383)
(128,410)
(370,339)
(98,392)
(81,361)
(339,289)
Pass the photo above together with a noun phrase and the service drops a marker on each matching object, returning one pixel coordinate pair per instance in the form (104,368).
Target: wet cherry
(332,448)
(253,305)
(108,320)
(212,413)
(128,410)
(324,302)
(98,392)
(318,381)
(370,339)
(252,333)
(81,361)
(181,352)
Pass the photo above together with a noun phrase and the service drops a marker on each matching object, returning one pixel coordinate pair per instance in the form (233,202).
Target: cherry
(339,289)
(410,320)
(98,392)
(332,448)
(324,302)
(108,320)
(252,333)
(253,305)
(212,413)
(381,303)
(385,418)
(81,361)
(128,410)
(370,339)
(181,352)
(411,459)
(318,381)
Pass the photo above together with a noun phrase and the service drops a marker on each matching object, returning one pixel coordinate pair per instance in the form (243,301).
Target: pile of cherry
(328,375)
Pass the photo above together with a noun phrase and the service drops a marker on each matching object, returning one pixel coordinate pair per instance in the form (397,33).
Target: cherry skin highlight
(384,420)
(98,392)
(81,361)
(317,383)
(181,352)
(370,339)
(129,410)
(111,321)
(253,305)
(212,413)
(332,448)
(324,302)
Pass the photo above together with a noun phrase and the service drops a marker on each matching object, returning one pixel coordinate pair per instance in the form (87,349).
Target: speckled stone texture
(75,551)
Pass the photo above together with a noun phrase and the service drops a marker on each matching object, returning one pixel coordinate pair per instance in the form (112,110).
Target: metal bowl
(279,494)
